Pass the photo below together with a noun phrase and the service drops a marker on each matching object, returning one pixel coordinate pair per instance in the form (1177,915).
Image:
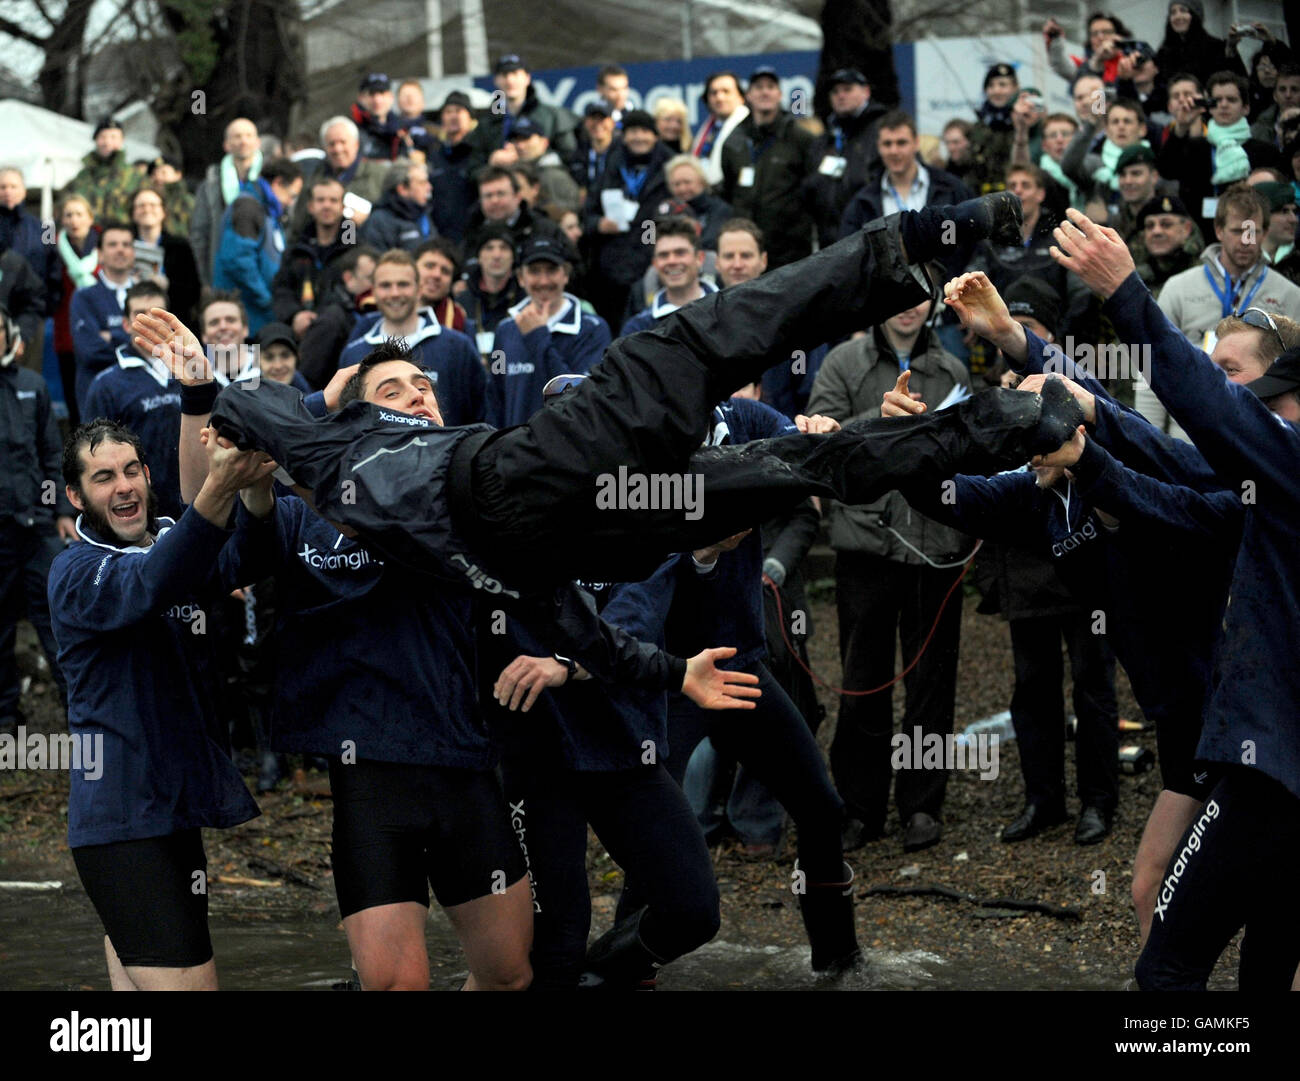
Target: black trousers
(528,500)
(25,557)
(1038,710)
(775,745)
(880,601)
(644,821)
(1235,866)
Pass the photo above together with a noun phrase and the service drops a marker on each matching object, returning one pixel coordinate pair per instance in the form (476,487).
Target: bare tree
(58,29)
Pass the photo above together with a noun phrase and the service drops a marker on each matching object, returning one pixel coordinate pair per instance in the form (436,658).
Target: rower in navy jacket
(140,393)
(1182,511)
(546,335)
(127,606)
(1242,864)
(449,356)
(592,751)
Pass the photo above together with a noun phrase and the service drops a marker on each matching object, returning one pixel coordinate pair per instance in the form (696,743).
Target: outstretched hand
(1065,456)
(1096,253)
(709,687)
(816,424)
(160,334)
(979,305)
(524,678)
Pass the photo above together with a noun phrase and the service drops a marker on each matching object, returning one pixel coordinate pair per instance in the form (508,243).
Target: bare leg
(149,978)
(388,949)
(496,933)
(1169,820)
(117,976)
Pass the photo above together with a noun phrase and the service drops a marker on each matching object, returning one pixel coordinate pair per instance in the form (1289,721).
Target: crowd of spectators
(509,245)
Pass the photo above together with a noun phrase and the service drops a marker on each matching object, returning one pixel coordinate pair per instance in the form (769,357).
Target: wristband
(197,398)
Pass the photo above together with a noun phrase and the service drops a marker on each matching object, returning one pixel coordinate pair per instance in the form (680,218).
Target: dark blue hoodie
(131,624)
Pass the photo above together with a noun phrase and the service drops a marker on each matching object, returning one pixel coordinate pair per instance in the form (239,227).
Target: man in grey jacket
(894,567)
(233,176)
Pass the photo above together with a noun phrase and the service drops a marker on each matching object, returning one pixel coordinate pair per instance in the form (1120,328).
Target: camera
(1200,103)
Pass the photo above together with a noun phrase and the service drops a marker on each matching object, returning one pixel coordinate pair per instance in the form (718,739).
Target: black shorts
(152,897)
(399,829)
(1176,742)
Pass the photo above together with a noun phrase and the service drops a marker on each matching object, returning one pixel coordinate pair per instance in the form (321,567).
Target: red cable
(780,615)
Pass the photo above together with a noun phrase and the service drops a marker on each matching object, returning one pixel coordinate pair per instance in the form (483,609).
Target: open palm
(159,333)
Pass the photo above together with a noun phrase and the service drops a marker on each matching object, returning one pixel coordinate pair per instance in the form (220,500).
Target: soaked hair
(89,436)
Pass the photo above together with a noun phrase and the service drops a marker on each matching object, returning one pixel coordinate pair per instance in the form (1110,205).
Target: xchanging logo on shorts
(1208,815)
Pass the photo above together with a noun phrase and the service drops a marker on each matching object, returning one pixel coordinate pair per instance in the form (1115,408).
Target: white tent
(48,147)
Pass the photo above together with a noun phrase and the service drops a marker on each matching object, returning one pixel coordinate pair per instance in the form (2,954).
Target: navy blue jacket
(659,307)
(142,395)
(724,606)
(452,168)
(21,233)
(131,625)
(1251,718)
(397,222)
(31,451)
(365,651)
(449,356)
(597,725)
(94,308)
(521,365)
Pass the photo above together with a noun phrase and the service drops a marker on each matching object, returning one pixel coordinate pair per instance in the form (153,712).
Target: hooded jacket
(397,222)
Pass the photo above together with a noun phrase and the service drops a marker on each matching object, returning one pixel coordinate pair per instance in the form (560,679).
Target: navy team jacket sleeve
(474,384)
(93,353)
(1241,439)
(640,609)
(569,621)
(1109,486)
(1125,432)
(121,590)
(1001,508)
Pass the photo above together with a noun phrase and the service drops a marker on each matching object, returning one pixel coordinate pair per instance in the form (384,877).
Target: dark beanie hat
(1030,296)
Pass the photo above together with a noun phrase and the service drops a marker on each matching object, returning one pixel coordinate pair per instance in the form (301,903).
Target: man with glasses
(1232,277)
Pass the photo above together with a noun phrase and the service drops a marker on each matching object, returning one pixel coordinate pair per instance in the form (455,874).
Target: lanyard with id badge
(1227,305)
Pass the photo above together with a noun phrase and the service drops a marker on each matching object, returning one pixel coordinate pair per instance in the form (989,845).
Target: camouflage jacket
(178,201)
(107,184)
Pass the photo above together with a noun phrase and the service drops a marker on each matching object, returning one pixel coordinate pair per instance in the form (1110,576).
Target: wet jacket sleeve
(569,622)
(1125,494)
(1241,439)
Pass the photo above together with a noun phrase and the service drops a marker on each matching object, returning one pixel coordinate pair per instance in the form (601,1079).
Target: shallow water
(52,940)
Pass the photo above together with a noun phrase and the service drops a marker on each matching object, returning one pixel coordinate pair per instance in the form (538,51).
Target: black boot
(827,910)
(935,231)
(619,960)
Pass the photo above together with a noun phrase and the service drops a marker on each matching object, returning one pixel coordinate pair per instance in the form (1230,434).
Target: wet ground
(275,924)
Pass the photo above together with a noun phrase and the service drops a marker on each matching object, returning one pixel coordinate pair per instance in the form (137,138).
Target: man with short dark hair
(95,314)
(557,187)
(765,164)
(448,356)
(725,100)
(1286,95)
(452,163)
(401,217)
(140,393)
(678,260)
(500,203)
(438,263)
(595,138)
(125,604)
(1137,179)
(612,86)
(308,268)
(546,335)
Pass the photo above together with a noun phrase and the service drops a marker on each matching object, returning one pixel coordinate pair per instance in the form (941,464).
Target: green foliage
(198,47)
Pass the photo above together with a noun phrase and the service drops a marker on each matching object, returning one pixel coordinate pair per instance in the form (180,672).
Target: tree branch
(21,33)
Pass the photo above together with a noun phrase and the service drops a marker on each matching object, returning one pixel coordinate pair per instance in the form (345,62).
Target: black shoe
(922,831)
(855,833)
(1033,820)
(1006,218)
(1094,826)
(1060,417)
(619,960)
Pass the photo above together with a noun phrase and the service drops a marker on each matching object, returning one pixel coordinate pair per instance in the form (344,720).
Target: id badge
(484,339)
(833,166)
(1209,205)
(746,178)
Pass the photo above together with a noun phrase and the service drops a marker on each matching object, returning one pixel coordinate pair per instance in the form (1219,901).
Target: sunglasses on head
(1261,320)
(560,383)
